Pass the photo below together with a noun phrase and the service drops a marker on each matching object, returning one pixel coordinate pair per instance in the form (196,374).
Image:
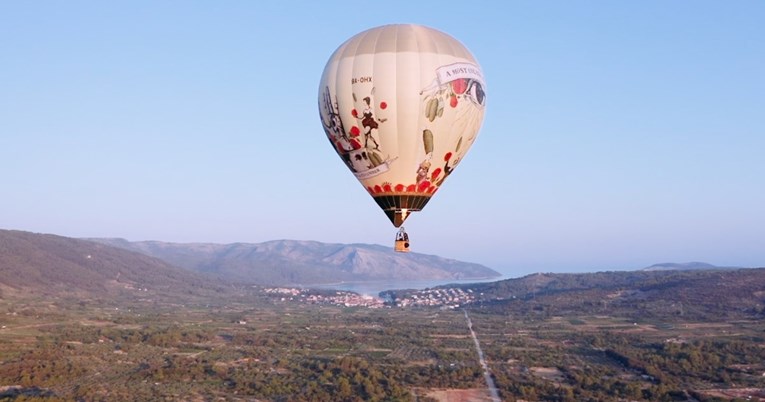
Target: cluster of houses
(339,298)
(444,297)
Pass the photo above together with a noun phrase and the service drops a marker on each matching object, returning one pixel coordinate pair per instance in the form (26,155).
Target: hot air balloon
(401,105)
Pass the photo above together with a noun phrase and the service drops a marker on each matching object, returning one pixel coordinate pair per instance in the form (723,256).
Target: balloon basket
(401,246)
(402,241)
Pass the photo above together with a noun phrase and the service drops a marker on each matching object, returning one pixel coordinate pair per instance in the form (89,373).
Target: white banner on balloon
(363,175)
(456,71)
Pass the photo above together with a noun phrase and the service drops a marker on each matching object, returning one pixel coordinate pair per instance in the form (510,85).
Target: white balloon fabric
(401,105)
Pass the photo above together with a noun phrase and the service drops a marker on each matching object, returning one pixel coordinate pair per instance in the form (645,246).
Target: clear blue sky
(617,134)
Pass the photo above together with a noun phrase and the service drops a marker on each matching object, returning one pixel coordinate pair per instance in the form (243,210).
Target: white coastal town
(439,297)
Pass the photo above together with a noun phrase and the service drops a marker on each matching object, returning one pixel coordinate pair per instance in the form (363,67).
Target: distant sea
(373,288)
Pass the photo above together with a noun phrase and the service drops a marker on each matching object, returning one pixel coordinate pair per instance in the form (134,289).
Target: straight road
(486,373)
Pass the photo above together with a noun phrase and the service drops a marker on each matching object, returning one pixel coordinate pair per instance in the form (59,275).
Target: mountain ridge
(304,262)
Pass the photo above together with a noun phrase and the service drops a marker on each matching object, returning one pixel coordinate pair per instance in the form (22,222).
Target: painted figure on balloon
(369,123)
(367,156)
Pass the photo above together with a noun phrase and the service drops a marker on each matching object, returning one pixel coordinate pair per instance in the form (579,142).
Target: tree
(344,389)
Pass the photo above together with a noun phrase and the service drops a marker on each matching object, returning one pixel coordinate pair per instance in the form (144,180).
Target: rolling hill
(32,263)
(291,262)
(730,293)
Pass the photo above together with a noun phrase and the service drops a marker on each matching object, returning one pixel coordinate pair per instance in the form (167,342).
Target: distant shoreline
(479,279)
(375,287)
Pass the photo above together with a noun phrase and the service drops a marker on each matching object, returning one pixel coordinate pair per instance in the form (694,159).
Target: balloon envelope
(401,105)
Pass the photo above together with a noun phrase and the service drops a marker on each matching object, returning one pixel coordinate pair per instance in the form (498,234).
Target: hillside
(290,262)
(32,263)
(695,293)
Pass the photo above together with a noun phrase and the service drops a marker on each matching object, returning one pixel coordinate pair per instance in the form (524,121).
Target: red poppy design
(435,174)
(447,156)
(378,189)
(386,188)
(411,188)
(399,187)
(423,186)
(355,131)
(383,105)
(355,113)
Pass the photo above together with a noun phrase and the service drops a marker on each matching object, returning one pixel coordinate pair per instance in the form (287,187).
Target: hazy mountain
(32,263)
(684,266)
(290,262)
